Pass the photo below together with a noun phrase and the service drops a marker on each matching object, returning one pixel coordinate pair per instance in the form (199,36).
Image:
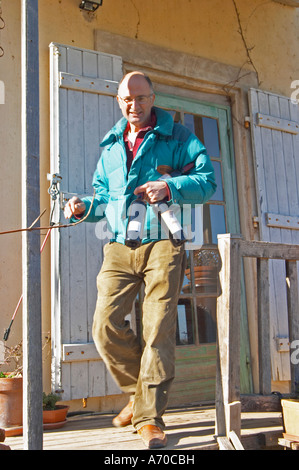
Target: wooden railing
(232,249)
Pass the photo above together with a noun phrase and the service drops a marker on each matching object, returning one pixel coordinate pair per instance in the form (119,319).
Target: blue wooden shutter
(275,137)
(83,108)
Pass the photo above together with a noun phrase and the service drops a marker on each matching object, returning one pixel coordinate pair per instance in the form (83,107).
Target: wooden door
(275,137)
(83,108)
(196,325)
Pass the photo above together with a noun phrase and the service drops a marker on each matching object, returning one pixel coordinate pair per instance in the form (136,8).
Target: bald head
(136,98)
(134,77)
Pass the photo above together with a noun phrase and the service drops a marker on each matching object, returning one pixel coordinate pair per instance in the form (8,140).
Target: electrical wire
(31,228)
(49,228)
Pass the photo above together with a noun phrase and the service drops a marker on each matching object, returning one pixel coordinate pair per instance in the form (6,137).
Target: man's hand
(74,207)
(153,191)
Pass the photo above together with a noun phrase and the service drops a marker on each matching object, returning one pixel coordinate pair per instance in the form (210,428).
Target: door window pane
(217,221)
(189,122)
(218,195)
(206,319)
(187,282)
(196,312)
(194,123)
(176,115)
(211,137)
(184,333)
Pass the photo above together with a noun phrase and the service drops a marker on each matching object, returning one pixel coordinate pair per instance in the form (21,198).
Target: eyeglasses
(142,99)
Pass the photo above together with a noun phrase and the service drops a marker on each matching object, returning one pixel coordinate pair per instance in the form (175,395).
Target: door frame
(200,353)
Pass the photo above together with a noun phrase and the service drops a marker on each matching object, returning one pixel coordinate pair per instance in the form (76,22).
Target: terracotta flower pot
(54,419)
(11,401)
(203,275)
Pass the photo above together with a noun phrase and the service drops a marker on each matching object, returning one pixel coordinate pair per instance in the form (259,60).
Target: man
(135,149)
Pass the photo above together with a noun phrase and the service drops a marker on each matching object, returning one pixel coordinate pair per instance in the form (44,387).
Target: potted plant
(11,391)
(54,416)
(206,267)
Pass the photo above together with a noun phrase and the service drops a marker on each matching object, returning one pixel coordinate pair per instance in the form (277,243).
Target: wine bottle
(170,223)
(136,214)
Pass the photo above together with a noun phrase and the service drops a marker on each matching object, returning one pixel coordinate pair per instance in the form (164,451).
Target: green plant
(49,401)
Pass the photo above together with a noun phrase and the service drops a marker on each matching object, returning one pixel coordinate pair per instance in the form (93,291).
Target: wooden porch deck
(187,429)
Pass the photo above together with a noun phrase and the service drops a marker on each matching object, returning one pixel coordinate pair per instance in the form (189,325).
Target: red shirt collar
(150,126)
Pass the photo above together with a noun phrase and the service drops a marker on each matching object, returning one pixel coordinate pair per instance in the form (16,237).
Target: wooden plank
(76,331)
(187,428)
(290,151)
(276,123)
(278,313)
(80,352)
(293,302)
(282,221)
(262,403)
(266,165)
(96,379)
(224,443)
(276,185)
(235,441)
(233,418)
(92,138)
(31,269)
(280,159)
(260,249)
(263,326)
(228,335)
(233,226)
(88,84)
(56,100)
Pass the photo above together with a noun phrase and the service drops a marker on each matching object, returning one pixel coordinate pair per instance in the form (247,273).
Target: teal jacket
(168,143)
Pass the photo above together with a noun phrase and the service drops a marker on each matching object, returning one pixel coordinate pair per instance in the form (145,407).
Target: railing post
(228,406)
(264,326)
(32,347)
(293,317)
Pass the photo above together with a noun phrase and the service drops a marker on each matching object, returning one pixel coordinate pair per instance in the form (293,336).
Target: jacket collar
(164,127)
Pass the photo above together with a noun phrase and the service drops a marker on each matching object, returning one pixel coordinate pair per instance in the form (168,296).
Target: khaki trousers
(146,371)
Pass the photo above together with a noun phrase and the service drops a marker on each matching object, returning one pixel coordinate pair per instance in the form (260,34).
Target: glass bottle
(136,214)
(170,223)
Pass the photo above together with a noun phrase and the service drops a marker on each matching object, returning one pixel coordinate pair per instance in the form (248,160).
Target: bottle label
(171,221)
(135,226)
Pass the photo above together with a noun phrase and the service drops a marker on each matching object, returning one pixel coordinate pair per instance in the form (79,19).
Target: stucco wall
(206,28)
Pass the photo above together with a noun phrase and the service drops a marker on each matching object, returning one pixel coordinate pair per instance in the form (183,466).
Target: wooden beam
(224,443)
(264,326)
(228,407)
(293,318)
(235,441)
(32,348)
(269,250)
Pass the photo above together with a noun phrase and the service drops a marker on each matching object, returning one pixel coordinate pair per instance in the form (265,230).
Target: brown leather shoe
(152,436)
(124,417)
